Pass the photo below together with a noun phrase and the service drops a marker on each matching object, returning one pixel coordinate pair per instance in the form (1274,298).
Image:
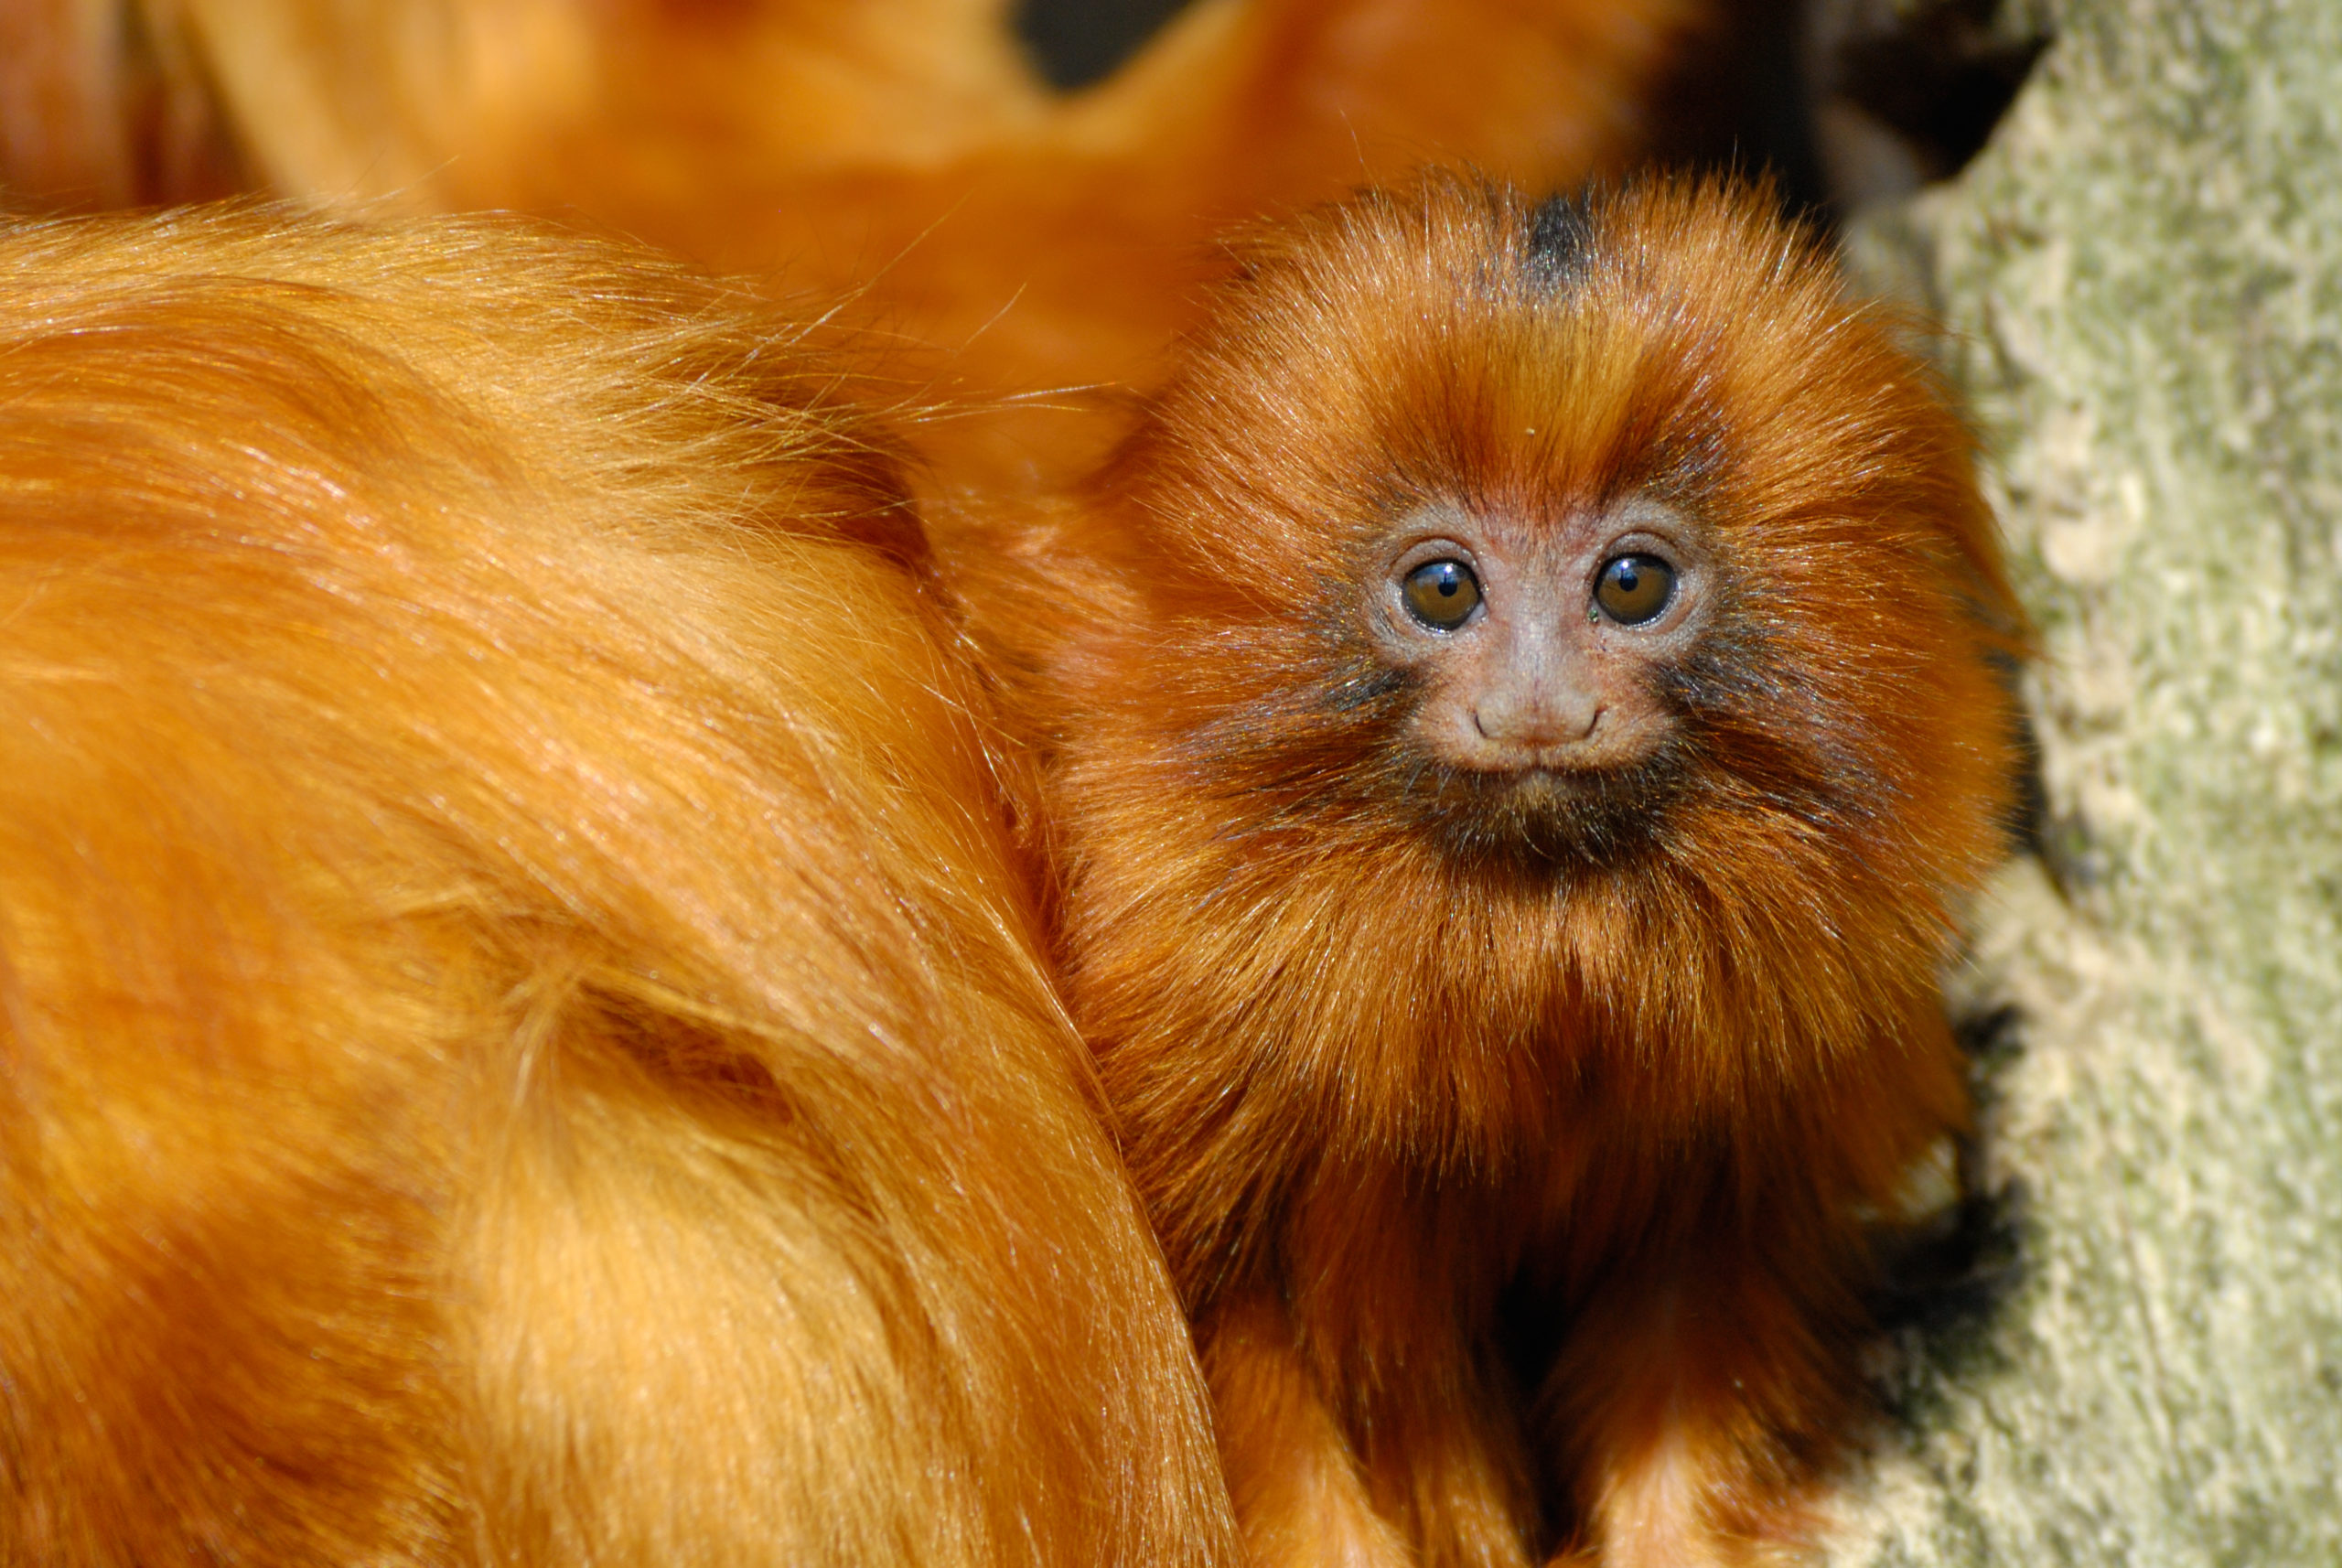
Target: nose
(1536,715)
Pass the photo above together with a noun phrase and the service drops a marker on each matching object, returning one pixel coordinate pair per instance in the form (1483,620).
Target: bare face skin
(1538,649)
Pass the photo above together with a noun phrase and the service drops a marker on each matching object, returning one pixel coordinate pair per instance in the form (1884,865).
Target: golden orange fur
(1510,1134)
(521,1041)
(903,151)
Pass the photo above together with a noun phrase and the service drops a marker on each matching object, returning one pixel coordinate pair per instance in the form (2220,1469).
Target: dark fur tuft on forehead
(1561,234)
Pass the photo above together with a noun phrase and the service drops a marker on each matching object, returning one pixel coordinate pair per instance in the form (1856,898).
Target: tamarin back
(1514,807)
(520,1037)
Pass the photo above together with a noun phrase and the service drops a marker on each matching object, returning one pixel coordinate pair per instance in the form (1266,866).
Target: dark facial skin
(1537,651)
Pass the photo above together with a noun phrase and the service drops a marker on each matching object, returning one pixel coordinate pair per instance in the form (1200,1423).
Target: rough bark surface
(2143,273)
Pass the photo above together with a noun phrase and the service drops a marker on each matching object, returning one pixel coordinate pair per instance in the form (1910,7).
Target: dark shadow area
(1738,99)
(1075,43)
(1941,78)
(1951,1272)
(1941,1278)
(1839,101)
(1843,102)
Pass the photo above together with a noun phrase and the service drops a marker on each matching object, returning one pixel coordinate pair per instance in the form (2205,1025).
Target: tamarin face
(1546,665)
(1573,526)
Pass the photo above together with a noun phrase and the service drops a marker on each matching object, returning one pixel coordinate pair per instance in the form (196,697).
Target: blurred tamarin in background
(1019,196)
(523,1039)
(1011,237)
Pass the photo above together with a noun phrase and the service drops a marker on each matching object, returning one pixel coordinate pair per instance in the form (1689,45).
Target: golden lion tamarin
(1524,715)
(903,152)
(520,1039)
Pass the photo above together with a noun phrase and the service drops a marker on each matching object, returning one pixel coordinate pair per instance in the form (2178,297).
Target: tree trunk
(2143,275)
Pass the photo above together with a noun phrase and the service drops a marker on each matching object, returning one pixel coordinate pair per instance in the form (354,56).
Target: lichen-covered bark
(2143,275)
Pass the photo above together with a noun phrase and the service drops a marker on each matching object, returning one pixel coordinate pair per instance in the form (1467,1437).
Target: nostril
(1501,716)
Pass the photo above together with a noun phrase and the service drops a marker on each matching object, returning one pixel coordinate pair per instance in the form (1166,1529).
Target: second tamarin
(1526,717)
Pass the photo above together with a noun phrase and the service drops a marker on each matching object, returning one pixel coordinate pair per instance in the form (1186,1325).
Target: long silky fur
(520,1038)
(1381,1072)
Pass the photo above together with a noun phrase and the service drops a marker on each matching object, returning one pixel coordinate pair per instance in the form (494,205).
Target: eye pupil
(1633,589)
(1441,595)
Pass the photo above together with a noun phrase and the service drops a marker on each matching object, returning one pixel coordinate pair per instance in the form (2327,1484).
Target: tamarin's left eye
(1633,589)
(1442,594)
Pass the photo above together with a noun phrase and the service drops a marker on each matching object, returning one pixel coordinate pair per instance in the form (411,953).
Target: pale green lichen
(2143,275)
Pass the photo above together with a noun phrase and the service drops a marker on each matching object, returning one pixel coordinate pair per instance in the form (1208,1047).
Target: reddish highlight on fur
(522,1038)
(1508,1130)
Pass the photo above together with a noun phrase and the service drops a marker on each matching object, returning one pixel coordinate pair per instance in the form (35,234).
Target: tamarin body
(520,1038)
(902,152)
(1525,719)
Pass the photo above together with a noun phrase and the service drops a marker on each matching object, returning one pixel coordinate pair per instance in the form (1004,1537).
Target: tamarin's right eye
(1442,594)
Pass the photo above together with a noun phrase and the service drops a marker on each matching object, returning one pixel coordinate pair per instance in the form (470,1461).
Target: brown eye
(1442,594)
(1633,589)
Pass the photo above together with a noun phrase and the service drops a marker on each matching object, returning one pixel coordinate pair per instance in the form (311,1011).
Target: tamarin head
(1574,618)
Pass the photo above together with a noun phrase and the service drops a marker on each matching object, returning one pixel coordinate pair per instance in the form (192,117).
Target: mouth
(1539,780)
(1540,812)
